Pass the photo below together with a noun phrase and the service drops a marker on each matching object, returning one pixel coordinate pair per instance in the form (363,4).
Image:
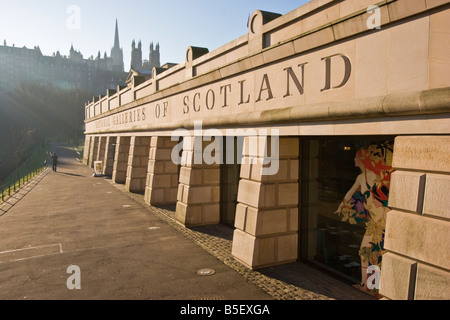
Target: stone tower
(154,56)
(136,55)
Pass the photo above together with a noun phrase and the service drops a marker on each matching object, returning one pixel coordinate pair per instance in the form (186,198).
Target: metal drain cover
(206,272)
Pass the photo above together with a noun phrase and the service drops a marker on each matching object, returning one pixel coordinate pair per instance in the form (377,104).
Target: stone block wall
(100,156)
(267,212)
(87,148)
(93,151)
(162,174)
(137,164)
(121,160)
(417,264)
(108,161)
(198,197)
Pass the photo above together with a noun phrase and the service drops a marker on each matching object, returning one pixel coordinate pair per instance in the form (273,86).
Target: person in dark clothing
(54,161)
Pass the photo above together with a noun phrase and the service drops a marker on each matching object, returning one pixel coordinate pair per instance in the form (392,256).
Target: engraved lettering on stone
(291,75)
(265,86)
(347,73)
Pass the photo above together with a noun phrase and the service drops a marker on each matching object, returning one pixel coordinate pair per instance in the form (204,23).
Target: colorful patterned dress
(369,208)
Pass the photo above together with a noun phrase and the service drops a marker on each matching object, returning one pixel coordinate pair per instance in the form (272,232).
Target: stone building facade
(153,61)
(95,74)
(322,135)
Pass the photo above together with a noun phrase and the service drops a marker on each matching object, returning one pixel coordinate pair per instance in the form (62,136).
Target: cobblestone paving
(221,249)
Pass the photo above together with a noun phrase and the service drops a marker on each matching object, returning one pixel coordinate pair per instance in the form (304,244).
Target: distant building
(117,53)
(136,55)
(73,72)
(153,61)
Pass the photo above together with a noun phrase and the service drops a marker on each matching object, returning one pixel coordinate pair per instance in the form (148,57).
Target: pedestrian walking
(54,161)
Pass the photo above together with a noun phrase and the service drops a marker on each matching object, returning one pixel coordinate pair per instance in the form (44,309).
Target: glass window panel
(344,189)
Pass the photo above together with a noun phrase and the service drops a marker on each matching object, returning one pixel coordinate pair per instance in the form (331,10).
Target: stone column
(101,149)
(199,188)
(87,148)
(121,159)
(93,151)
(162,174)
(417,239)
(137,164)
(267,212)
(110,148)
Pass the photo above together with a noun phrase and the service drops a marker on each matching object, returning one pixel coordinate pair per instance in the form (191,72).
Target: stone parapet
(295,47)
(429,102)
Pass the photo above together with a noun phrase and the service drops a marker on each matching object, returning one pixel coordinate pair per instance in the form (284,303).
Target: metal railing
(21,176)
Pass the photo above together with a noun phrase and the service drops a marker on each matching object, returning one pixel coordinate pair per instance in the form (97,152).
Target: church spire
(117,53)
(116,37)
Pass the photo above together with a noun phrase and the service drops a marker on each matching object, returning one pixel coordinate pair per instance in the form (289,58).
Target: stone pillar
(137,164)
(93,151)
(108,162)
(121,159)
(198,199)
(267,212)
(417,239)
(162,174)
(87,148)
(101,149)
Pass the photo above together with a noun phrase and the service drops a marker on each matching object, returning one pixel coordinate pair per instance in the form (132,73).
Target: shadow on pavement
(218,230)
(305,276)
(70,174)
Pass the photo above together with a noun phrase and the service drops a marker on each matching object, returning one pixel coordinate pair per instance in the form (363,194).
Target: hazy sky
(54,25)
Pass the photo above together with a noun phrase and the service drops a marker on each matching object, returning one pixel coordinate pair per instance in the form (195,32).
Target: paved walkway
(126,249)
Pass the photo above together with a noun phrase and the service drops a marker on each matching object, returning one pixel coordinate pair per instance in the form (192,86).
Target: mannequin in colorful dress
(367,202)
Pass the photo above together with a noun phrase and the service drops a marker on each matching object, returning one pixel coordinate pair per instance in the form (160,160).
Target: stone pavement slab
(123,252)
(127,250)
